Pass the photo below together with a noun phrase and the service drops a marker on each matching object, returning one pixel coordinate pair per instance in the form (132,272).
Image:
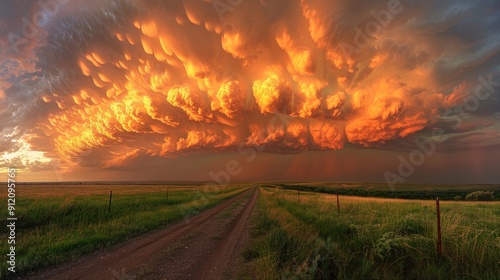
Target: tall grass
(54,229)
(372,239)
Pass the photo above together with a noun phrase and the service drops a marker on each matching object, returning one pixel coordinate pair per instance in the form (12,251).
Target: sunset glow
(172,90)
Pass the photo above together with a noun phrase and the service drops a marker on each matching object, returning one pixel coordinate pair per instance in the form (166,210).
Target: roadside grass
(52,230)
(371,238)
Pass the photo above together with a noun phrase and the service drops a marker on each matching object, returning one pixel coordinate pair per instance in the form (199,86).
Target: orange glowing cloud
(172,80)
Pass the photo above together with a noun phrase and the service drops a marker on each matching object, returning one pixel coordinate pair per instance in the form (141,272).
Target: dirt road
(208,246)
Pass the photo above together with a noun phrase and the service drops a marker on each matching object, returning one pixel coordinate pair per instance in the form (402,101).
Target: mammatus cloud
(132,78)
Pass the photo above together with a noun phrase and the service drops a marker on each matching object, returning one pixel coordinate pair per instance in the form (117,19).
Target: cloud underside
(134,78)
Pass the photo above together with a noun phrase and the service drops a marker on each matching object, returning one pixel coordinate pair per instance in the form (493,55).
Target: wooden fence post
(338,204)
(438,214)
(110,197)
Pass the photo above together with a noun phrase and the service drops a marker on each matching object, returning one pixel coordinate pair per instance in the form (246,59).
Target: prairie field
(305,236)
(293,234)
(405,191)
(57,223)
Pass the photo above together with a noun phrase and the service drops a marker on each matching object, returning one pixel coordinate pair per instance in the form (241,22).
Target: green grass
(54,229)
(371,239)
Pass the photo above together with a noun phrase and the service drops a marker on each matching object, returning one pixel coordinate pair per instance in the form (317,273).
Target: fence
(458,212)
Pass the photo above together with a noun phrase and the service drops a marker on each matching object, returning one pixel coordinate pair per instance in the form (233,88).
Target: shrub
(457,197)
(410,225)
(481,195)
(392,247)
(342,230)
(322,263)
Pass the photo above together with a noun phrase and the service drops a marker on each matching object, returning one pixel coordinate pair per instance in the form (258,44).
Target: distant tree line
(449,194)
(481,195)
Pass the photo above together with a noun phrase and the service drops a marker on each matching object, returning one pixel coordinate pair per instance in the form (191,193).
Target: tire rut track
(127,260)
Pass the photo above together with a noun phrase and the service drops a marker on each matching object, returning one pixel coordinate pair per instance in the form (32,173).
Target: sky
(250,90)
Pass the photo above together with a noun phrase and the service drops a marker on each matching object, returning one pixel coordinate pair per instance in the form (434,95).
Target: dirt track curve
(208,246)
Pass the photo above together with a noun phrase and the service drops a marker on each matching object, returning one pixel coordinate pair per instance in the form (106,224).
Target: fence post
(438,214)
(338,204)
(110,197)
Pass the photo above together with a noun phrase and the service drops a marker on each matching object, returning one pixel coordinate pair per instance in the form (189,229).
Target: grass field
(371,238)
(57,223)
(295,236)
(406,191)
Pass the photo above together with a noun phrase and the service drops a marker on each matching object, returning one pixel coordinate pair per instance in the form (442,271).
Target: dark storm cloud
(136,79)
